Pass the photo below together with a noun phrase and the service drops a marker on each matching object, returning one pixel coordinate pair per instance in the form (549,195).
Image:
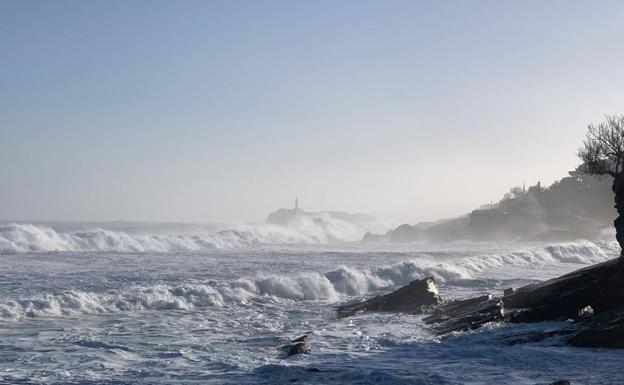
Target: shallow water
(217,316)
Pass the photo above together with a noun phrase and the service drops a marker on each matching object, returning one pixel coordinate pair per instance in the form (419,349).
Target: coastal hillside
(577,206)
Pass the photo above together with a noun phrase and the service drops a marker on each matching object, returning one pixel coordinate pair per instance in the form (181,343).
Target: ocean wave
(156,297)
(580,252)
(331,286)
(24,238)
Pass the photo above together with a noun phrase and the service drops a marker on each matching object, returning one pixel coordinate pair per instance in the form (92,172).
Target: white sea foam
(21,238)
(332,285)
(156,297)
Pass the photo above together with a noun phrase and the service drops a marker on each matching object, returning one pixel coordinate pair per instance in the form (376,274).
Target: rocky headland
(578,206)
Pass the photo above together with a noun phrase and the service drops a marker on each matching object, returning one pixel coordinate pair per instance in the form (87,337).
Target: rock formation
(466,314)
(417,297)
(618,223)
(297,346)
(600,286)
(593,298)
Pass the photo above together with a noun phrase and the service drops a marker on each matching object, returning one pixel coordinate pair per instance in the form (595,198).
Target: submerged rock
(297,346)
(415,298)
(303,338)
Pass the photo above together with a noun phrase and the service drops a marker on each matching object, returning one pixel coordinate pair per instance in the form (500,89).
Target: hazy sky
(225,110)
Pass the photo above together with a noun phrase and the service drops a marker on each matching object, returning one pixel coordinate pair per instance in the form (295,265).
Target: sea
(144,305)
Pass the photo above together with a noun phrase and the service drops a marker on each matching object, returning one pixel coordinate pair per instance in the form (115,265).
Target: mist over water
(321,229)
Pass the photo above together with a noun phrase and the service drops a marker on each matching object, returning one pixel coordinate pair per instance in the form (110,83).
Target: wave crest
(333,285)
(23,238)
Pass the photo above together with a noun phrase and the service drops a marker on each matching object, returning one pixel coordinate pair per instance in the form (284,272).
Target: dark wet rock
(599,286)
(605,330)
(303,338)
(297,346)
(415,298)
(508,291)
(591,298)
(560,382)
(466,314)
(313,370)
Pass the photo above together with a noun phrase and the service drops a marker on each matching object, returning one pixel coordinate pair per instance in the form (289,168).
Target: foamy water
(216,315)
(23,238)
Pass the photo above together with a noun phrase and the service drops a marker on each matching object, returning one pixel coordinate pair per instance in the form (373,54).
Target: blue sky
(209,111)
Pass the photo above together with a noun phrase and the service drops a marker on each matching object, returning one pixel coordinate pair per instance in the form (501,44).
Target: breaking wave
(333,285)
(23,238)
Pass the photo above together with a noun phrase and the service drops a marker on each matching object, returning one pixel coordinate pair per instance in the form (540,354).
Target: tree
(602,153)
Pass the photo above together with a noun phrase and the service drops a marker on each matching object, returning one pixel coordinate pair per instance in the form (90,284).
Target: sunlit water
(217,316)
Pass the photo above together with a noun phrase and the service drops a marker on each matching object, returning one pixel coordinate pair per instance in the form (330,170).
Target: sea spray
(23,238)
(330,286)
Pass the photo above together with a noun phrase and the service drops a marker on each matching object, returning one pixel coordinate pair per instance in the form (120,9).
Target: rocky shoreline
(591,298)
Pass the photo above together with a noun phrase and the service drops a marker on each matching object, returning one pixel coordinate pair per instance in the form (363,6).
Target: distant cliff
(577,206)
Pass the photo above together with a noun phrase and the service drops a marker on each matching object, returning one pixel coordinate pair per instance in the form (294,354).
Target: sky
(208,111)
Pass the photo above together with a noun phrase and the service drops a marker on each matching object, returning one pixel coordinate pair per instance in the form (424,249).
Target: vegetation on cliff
(577,206)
